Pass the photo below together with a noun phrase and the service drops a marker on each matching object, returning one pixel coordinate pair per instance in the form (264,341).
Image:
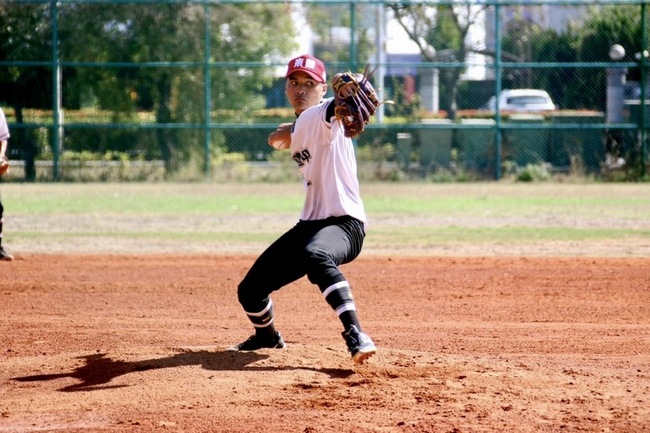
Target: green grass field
(405,218)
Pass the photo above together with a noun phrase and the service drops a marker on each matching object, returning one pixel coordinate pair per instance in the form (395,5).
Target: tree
(440,32)
(605,26)
(165,33)
(588,41)
(526,41)
(332,25)
(25,36)
(549,46)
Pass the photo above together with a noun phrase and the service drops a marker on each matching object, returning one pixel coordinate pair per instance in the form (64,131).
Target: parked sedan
(522,100)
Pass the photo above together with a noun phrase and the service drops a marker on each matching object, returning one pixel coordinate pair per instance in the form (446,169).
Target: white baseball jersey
(325,157)
(4,130)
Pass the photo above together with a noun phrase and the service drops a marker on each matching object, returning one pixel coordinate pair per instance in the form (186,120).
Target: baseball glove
(4,166)
(355,101)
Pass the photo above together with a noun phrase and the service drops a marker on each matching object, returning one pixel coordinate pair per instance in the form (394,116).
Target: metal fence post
(353,44)
(207,93)
(644,73)
(57,113)
(497,90)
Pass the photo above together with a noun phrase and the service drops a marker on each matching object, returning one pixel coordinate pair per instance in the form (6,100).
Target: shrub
(534,172)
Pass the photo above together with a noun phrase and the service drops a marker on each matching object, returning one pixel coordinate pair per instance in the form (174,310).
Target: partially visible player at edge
(331,228)
(4,163)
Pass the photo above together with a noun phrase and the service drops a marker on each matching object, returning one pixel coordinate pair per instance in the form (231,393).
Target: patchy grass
(405,217)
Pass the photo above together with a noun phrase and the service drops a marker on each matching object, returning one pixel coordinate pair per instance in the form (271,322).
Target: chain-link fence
(146,90)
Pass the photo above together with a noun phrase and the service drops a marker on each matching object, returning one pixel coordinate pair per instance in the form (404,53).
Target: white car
(522,100)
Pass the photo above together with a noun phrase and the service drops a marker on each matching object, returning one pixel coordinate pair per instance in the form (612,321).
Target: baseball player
(4,166)
(331,228)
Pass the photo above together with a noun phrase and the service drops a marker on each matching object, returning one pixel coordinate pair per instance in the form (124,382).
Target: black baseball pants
(311,248)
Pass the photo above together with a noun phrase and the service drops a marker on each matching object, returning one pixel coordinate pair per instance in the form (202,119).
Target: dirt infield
(118,343)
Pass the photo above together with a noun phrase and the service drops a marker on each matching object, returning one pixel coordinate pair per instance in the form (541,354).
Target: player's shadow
(99,369)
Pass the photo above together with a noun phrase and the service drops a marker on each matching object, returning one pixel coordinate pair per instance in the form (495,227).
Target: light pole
(615,101)
(616,86)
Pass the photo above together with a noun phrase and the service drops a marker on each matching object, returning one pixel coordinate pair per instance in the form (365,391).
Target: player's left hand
(355,99)
(281,137)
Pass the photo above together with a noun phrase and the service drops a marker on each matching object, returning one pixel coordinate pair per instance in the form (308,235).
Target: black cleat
(256,342)
(5,256)
(359,345)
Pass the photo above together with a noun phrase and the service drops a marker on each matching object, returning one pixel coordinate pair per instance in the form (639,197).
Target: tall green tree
(526,41)
(587,41)
(159,34)
(604,27)
(25,36)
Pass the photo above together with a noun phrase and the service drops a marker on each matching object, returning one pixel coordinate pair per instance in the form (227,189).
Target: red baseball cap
(309,64)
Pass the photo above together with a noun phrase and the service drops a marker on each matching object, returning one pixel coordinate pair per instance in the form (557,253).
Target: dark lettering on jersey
(302,157)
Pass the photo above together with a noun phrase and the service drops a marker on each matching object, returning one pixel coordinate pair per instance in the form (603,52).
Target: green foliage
(608,25)
(122,34)
(407,106)
(86,166)
(560,83)
(148,33)
(333,48)
(589,41)
(376,155)
(24,36)
(441,176)
(533,173)
(445,32)
(604,27)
